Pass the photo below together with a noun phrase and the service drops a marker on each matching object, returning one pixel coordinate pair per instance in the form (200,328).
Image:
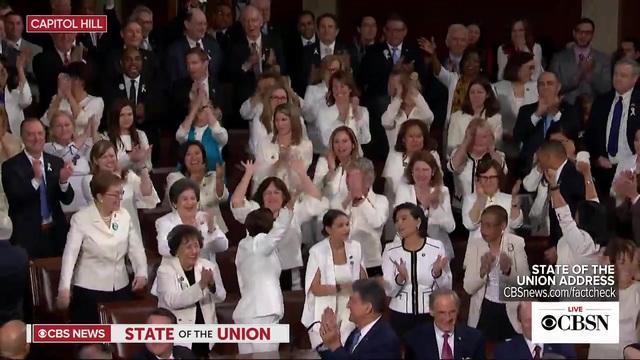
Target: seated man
(13,340)
(521,346)
(444,339)
(161,316)
(373,337)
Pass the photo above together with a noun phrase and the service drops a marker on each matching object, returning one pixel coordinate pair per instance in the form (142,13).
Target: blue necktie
(354,340)
(44,204)
(614,132)
(395,54)
(547,124)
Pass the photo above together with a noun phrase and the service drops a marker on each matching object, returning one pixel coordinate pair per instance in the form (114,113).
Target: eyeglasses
(115,195)
(487,178)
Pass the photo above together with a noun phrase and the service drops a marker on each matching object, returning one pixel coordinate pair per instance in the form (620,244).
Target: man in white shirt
(373,337)
(522,347)
(444,338)
(457,40)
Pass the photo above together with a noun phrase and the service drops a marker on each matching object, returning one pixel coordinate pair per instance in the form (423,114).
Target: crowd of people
(367,165)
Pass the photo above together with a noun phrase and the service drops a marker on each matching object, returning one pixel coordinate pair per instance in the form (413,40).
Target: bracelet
(400,283)
(554,188)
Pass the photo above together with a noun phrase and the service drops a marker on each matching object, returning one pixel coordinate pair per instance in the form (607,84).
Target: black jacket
(380,342)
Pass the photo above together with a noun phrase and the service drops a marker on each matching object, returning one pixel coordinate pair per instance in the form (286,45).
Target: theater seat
(44,276)
(224,312)
(227,263)
(293,306)
(126,312)
(148,219)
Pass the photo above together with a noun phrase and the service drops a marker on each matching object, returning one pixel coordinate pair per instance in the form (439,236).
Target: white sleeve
(423,110)
(247,111)
(24,95)
(364,134)
(163,227)
(580,242)
(532,180)
(388,118)
(455,134)
(442,215)
(267,243)
(502,62)
(240,213)
(537,58)
(144,144)
(221,293)
(220,134)
(136,252)
(169,294)
(141,201)
(182,134)
(467,204)
(389,273)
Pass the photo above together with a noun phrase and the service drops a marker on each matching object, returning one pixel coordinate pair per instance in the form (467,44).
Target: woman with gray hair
(367,212)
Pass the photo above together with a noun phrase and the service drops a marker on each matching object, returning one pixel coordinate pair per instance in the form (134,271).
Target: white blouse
(464,180)
(269,155)
(218,132)
(314,97)
(458,127)
(394,116)
(537,59)
(15,101)
(395,166)
(90,106)
(213,242)
(334,188)
(79,158)
(125,146)
(499,198)
(327,121)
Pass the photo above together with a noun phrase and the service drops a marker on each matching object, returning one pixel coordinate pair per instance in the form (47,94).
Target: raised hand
(298,166)
(584,168)
(331,160)
(206,278)
(516,188)
(439,265)
(65,172)
(329,329)
(249,167)
(505,263)
(139,282)
(401,268)
(486,262)
(428,46)
(550,175)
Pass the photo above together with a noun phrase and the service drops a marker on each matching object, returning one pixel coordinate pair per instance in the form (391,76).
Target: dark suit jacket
(628,216)
(179,352)
(107,40)
(14,267)
(113,67)
(380,342)
(149,94)
(46,66)
(245,81)
(531,137)
(377,65)
(180,99)
(298,70)
(356,54)
(9,52)
(516,348)
(177,64)
(421,343)
(596,135)
(572,189)
(24,205)
(311,59)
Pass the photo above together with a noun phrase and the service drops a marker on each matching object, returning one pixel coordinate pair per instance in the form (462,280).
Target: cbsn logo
(576,322)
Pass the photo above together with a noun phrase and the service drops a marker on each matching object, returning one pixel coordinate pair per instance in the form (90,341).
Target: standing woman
(406,103)
(330,172)
(100,237)
(10,145)
(15,90)
(139,192)
(342,108)
(203,124)
(423,186)
(192,165)
(258,269)
(476,42)
(132,144)
(184,197)
(189,285)
(413,266)
(273,194)
(521,40)
(480,102)
(334,264)
(287,143)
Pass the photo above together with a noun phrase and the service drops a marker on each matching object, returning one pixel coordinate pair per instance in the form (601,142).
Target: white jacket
(327,121)
(395,166)
(258,269)
(213,243)
(94,255)
(500,198)
(394,116)
(413,296)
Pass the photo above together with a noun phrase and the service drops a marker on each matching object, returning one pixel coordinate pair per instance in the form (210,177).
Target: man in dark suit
(295,49)
(373,76)
(162,316)
(252,55)
(194,36)
(521,346)
(151,38)
(185,90)
(373,337)
(443,338)
(367,28)
(14,267)
(625,186)
(611,113)
(535,120)
(552,155)
(98,44)
(35,184)
(222,22)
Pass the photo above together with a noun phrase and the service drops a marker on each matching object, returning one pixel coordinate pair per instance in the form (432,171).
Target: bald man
(195,34)
(13,340)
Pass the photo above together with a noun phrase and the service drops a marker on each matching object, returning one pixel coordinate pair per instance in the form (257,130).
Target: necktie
(395,55)
(219,35)
(547,124)
(132,92)
(327,51)
(66,58)
(354,340)
(146,44)
(447,354)
(254,49)
(536,353)
(614,132)
(199,44)
(45,213)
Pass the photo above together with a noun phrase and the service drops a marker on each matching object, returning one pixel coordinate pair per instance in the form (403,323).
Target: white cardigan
(475,286)
(94,255)
(213,243)
(258,270)
(394,116)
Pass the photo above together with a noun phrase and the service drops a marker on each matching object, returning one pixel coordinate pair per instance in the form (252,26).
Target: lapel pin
(143,89)
(114,226)
(121,86)
(49,167)
(633,109)
(386,54)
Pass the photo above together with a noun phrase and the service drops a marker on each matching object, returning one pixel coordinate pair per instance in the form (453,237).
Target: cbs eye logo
(548,322)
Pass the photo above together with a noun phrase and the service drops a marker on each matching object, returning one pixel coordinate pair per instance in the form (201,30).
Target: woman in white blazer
(413,266)
(316,96)
(273,194)
(258,269)
(184,198)
(16,90)
(73,97)
(330,172)
(139,192)
(480,102)
(252,107)
(342,108)
(192,165)
(478,145)
(367,211)
(287,144)
(93,263)
(490,261)
(71,148)
(334,264)
(517,89)
(189,285)
(406,103)
(422,185)
(132,144)
(521,41)
(487,193)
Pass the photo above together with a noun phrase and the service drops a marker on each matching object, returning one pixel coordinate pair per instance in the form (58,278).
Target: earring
(418,226)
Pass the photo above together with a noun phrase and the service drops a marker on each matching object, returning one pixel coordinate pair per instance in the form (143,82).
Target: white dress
(343,276)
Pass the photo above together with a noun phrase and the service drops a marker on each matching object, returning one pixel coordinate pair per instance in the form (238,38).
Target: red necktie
(536,353)
(447,354)
(66,58)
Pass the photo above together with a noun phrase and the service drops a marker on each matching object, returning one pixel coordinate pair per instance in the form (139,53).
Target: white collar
(532,346)
(440,333)
(559,171)
(31,158)
(455,58)
(625,97)
(330,46)
(310,41)
(192,42)
(258,41)
(128,79)
(399,47)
